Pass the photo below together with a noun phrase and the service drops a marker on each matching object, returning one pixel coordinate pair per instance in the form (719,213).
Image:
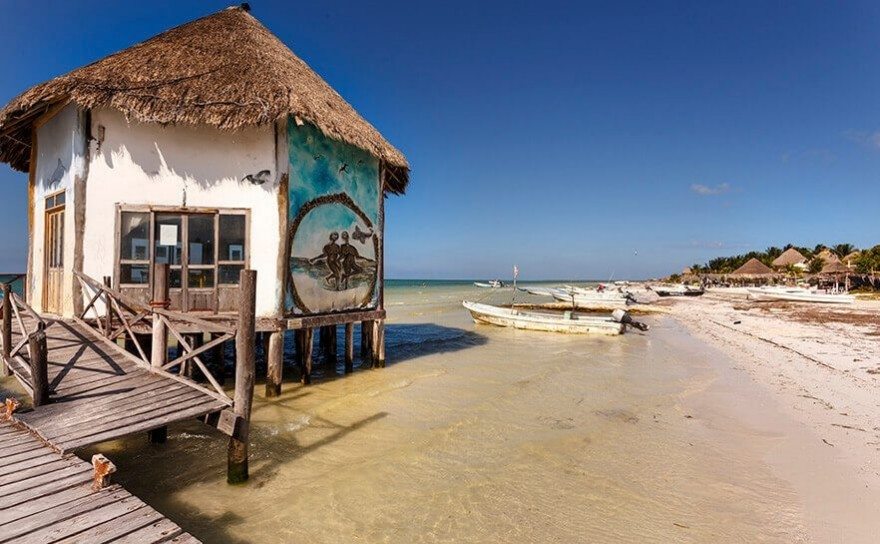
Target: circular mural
(332,247)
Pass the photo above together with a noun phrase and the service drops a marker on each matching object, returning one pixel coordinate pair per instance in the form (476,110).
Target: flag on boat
(515,271)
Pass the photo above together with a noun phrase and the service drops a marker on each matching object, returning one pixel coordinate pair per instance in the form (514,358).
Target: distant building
(753,267)
(790,257)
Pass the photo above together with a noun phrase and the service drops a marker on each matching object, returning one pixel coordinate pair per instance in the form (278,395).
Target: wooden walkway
(98,393)
(46,496)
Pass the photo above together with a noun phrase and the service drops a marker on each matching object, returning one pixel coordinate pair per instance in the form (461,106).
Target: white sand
(822,366)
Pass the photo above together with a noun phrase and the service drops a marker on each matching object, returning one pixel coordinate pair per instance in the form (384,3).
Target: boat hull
(534,321)
(759,295)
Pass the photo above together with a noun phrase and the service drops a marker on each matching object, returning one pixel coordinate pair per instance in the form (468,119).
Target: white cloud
(864,138)
(705,190)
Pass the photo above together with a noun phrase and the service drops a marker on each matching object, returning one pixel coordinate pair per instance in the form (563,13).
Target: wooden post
(39,365)
(159,343)
(7,327)
(237,453)
(378,343)
(275,364)
(349,347)
(159,351)
(297,347)
(102,469)
(330,353)
(366,339)
(307,345)
(108,316)
(218,353)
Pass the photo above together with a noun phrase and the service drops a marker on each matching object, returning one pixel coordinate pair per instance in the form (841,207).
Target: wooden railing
(33,337)
(122,314)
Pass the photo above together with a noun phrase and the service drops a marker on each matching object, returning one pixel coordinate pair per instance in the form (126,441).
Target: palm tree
(772,252)
(815,265)
(842,250)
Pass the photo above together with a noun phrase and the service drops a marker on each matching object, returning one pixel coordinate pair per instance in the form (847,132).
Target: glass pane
(201,278)
(174,278)
(229,273)
(135,232)
(59,199)
(201,239)
(168,239)
(134,273)
(232,239)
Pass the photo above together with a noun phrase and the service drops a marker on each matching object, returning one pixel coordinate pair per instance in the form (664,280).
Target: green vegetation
(868,262)
(870,259)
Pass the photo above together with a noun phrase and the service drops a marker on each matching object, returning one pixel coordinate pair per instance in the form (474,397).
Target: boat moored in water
(567,322)
(494,284)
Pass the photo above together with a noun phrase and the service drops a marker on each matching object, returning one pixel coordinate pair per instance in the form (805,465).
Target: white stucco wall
(60,158)
(141,163)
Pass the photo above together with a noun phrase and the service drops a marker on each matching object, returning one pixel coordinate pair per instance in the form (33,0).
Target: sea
(475,433)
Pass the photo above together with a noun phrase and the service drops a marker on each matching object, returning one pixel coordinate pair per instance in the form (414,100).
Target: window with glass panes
(204,249)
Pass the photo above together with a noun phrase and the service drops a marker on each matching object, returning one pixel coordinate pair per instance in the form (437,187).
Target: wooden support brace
(103,468)
(6,336)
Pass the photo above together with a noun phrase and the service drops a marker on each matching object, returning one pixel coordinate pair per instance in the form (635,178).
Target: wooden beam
(378,344)
(39,365)
(307,347)
(237,453)
(159,352)
(320,320)
(6,336)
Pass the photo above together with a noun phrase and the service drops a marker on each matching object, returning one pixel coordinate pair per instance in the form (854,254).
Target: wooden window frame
(185,267)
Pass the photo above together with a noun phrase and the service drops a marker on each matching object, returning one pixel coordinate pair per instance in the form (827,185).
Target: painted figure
(349,256)
(331,256)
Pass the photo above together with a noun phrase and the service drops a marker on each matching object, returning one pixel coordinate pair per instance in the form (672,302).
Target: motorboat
(567,322)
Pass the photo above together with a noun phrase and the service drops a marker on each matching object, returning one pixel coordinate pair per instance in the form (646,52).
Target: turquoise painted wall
(334,230)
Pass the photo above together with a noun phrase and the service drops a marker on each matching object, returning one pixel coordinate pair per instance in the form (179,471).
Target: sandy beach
(821,368)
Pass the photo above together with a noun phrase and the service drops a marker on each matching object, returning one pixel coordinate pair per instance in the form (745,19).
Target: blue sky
(573,139)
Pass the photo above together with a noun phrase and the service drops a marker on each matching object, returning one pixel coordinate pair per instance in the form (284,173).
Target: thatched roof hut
(753,267)
(850,260)
(225,70)
(828,256)
(790,256)
(835,268)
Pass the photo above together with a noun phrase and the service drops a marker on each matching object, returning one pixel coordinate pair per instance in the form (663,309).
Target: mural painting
(334,232)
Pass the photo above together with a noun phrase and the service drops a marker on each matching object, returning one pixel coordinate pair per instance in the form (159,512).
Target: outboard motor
(622,316)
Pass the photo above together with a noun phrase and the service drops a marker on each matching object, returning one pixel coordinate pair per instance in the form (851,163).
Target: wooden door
(53,280)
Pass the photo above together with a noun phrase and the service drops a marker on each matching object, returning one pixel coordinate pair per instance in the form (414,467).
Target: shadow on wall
(198,156)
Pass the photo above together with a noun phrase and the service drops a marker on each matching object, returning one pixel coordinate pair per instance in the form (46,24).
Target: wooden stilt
(349,347)
(307,345)
(237,453)
(330,354)
(158,436)
(297,346)
(7,328)
(377,343)
(275,364)
(39,365)
(159,351)
(366,339)
(218,354)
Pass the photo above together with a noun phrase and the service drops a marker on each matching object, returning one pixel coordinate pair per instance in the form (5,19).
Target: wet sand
(482,434)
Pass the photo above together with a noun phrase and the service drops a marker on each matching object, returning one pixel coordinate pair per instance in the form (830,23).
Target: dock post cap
(103,468)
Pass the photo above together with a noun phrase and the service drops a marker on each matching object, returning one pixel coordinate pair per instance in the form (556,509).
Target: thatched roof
(753,267)
(225,70)
(687,271)
(852,258)
(835,268)
(828,256)
(790,256)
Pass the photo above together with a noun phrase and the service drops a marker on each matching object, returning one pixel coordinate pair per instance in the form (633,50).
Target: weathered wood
(39,369)
(108,313)
(237,453)
(103,468)
(159,354)
(349,347)
(308,345)
(275,364)
(6,336)
(116,528)
(378,344)
(319,320)
(367,339)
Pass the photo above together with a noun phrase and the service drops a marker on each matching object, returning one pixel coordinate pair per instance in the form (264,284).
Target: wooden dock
(47,496)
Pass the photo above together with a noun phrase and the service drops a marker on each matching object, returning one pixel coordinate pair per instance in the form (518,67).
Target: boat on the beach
(798,294)
(539,291)
(590,298)
(678,291)
(567,322)
(494,284)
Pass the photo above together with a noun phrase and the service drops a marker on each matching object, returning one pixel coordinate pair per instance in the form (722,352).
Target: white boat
(585,298)
(539,291)
(798,294)
(494,284)
(568,322)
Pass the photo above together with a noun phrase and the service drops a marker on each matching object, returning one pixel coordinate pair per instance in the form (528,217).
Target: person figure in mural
(349,256)
(331,256)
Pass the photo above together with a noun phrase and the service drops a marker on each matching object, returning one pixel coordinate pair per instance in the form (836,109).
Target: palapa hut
(828,256)
(753,267)
(850,260)
(790,257)
(210,147)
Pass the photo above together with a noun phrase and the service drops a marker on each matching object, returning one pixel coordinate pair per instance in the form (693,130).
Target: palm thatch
(835,268)
(225,70)
(790,256)
(828,256)
(753,267)
(850,260)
